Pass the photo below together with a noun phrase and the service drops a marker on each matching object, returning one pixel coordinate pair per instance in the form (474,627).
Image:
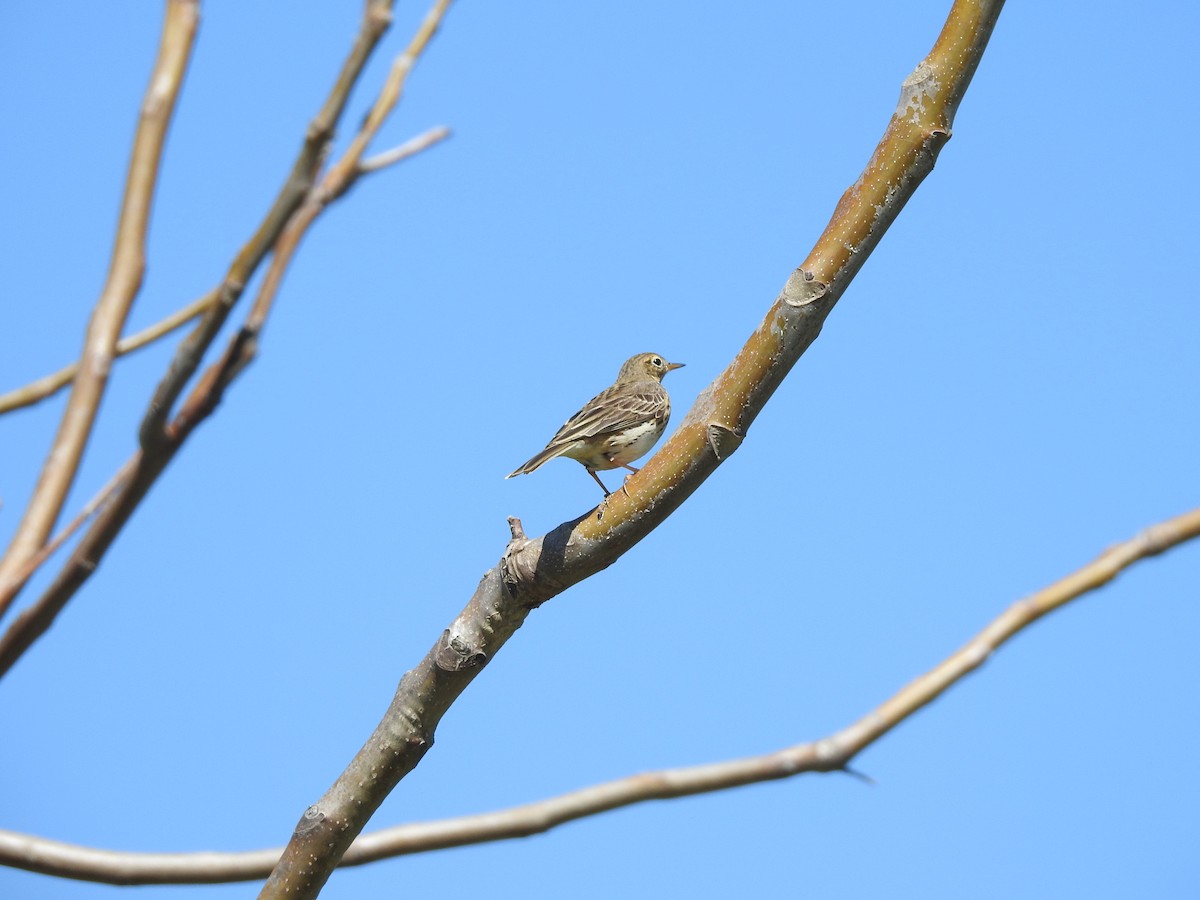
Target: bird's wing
(613,410)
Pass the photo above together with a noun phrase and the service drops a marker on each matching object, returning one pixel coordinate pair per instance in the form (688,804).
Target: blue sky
(1010,385)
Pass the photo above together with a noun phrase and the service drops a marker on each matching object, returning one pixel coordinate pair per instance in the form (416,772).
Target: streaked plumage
(618,425)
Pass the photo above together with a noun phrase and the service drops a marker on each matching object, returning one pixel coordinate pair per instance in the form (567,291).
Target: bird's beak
(671,367)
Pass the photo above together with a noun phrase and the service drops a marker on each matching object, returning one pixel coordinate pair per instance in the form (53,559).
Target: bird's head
(646,365)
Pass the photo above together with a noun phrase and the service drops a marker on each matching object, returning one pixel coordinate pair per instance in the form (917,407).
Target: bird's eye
(656,361)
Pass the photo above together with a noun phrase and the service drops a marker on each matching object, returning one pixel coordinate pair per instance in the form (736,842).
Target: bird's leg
(592,472)
(627,477)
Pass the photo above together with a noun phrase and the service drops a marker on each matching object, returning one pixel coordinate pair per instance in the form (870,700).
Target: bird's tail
(545,456)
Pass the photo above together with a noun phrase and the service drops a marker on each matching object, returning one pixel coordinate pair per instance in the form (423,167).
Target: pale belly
(618,450)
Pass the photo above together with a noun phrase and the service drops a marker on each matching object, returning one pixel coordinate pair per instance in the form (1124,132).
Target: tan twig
(343,173)
(157,451)
(48,385)
(831,753)
(336,182)
(409,148)
(112,307)
(93,506)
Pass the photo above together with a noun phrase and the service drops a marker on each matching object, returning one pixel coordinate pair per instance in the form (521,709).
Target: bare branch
(51,384)
(148,463)
(831,753)
(124,281)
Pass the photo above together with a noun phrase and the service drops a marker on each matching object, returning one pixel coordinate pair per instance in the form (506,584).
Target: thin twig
(411,147)
(112,307)
(337,181)
(91,508)
(344,172)
(832,753)
(49,385)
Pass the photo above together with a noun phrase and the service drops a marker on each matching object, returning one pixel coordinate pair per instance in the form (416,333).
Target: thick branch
(533,571)
(831,753)
(123,283)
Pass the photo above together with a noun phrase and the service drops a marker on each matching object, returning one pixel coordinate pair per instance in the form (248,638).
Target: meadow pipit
(618,425)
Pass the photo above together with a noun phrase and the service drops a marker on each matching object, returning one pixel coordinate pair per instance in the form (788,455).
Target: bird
(618,425)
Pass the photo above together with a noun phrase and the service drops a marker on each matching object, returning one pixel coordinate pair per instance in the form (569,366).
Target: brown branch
(91,508)
(123,283)
(376,19)
(49,385)
(148,463)
(831,753)
(533,571)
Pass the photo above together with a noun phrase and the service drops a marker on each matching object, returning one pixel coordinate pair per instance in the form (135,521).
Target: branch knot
(518,566)
(456,654)
(803,288)
(724,441)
